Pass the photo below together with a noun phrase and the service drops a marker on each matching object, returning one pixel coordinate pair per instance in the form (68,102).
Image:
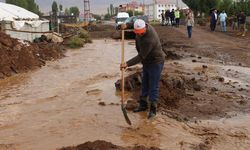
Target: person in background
(162,18)
(213,19)
(172,17)
(234,22)
(242,23)
(152,57)
(189,22)
(223,20)
(177,17)
(167,17)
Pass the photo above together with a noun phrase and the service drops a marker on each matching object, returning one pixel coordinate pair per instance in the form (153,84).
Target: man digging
(152,57)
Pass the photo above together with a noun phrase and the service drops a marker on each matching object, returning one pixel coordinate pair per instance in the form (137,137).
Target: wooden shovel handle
(122,71)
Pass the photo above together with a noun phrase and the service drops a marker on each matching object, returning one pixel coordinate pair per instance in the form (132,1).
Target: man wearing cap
(152,57)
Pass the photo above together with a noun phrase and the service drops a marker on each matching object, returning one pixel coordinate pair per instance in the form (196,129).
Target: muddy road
(73,100)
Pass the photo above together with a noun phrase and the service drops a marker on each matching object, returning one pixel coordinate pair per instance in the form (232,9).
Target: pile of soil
(18,56)
(103,145)
(103,31)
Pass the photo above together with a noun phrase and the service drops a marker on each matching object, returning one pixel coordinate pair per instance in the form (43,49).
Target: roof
(9,12)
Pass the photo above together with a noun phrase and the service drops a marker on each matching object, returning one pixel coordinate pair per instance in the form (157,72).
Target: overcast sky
(96,6)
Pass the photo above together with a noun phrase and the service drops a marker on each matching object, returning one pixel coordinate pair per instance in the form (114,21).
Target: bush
(75,42)
(83,34)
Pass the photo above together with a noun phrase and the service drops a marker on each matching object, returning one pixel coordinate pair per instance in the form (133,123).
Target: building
(154,10)
(20,23)
(132,6)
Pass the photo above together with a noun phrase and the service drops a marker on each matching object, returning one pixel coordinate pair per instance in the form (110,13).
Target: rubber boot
(152,110)
(143,105)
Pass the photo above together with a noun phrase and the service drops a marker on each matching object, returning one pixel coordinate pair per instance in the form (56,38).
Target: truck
(120,19)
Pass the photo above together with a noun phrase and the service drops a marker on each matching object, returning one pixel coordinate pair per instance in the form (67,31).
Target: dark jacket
(149,48)
(213,17)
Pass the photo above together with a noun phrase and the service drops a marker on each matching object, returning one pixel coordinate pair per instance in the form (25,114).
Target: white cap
(139,25)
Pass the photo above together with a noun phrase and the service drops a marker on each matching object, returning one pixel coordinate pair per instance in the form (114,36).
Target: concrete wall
(153,11)
(44,27)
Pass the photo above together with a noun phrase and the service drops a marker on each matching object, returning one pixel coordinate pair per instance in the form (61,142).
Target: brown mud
(204,97)
(103,145)
(18,56)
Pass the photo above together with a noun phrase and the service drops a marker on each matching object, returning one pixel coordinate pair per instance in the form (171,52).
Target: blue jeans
(150,81)
(189,29)
(223,26)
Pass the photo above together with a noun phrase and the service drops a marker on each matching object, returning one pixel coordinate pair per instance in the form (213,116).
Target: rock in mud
(221,79)
(102,103)
(197,87)
(103,145)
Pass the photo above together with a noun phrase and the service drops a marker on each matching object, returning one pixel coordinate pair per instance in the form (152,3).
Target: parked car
(120,19)
(130,21)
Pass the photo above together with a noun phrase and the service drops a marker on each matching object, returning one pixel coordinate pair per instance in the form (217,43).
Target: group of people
(173,18)
(238,21)
(170,18)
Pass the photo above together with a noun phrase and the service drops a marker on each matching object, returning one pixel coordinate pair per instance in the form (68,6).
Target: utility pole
(86,10)
(57,18)
(154,9)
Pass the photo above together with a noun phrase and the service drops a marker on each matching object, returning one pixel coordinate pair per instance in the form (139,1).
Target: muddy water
(58,105)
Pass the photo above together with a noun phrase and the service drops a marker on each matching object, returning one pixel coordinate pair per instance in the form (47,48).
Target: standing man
(242,24)
(172,17)
(177,17)
(163,18)
(223,18)
(167,17)
(213,19)
(152,57)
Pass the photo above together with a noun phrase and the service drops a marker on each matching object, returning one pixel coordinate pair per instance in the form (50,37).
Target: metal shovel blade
(124,111)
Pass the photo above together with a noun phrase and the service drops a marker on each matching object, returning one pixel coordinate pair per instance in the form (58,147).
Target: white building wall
(153,11)
(44,27)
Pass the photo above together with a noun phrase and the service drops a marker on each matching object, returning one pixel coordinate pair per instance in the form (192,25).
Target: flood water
(58,105)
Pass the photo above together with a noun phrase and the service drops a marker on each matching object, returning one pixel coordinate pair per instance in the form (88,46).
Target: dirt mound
(103,31)
(19,56)
(103,145)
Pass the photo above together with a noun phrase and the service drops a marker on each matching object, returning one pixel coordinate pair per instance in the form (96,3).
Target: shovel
(124,111)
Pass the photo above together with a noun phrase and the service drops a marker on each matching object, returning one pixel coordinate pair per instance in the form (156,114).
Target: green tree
(67,12)
(107,17)
(130,12)
(226,5)
(75,11)
(194,5)
(111,8)
(26,4)
(54,7)
(97,17)
(60,7)
(108,11)
(21,3)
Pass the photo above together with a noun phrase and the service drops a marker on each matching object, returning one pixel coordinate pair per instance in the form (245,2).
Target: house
(153,10)
(132,6)
(20,23)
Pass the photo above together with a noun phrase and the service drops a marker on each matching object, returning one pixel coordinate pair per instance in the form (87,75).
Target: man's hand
(123,66)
